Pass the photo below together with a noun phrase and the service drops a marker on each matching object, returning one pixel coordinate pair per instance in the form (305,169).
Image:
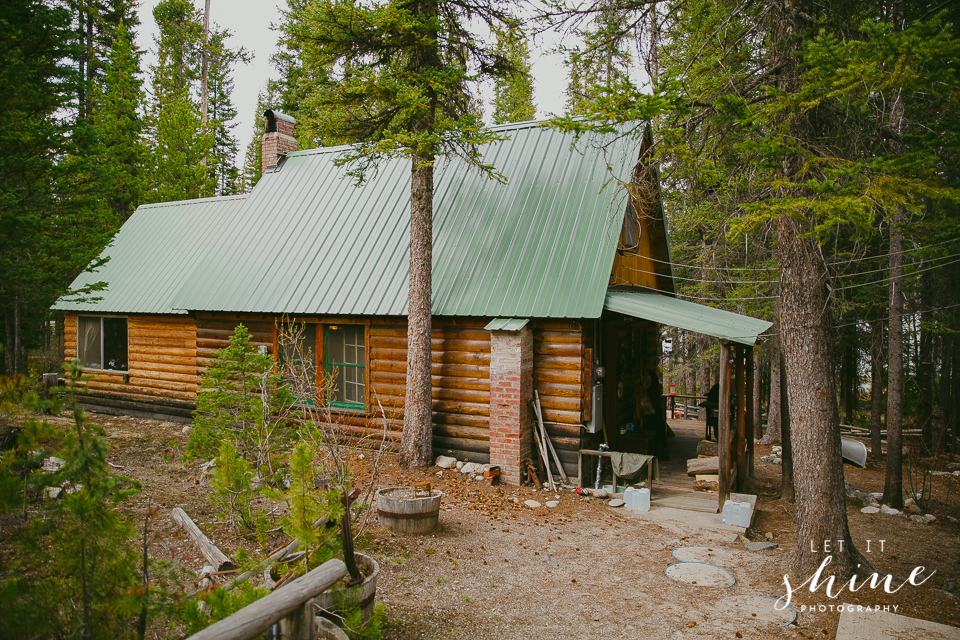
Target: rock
(909,502)
(876,495)
(870,510)
(777,461)
(460,465)
(768,535)
(930,517)
(914,509)
(920,520)
(553,503)
(890,511)
(52,493)
(600,493)
(953,466)
(761,546)
(53,464)
(187,430)
(206,466)
(515,500)
(471,468)
(287,481)
(446,462)
(478,477)
(953,520)
(616,502)
(533,504)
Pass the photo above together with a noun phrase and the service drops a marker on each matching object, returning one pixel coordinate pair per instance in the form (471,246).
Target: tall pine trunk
(416,444)
(893,478)
(821,508)
(773,434)
(757,370)
(876,391)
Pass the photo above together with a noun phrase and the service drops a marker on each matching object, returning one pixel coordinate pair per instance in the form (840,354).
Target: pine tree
(602,63)
(402,87)
(513,94)
(118,101)
(222,113)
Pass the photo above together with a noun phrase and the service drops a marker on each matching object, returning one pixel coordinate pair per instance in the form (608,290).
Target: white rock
(953,520)
(553,503)
(439,474)
(533,504)
(187,430)
(446,462)
(930,517)
(459,464)
(890,511)
(600,493)
(876,495)
(909,502)
(777,461)
(616,502)
(361,456)
(478,477)
(52,493)
(471,468)
(870,510)
(920,520)
(515,500)
(53,464)
(768,535)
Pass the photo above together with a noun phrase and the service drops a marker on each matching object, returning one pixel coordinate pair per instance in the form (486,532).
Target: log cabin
(556,279)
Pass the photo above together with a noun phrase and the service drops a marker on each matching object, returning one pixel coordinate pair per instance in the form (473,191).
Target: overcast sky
(250,21)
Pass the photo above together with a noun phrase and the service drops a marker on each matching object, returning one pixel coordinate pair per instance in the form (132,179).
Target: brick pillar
(511,390)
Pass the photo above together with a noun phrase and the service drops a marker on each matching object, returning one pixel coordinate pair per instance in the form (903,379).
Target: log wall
(167,353)
(559,353)
(162,369)
(461,382)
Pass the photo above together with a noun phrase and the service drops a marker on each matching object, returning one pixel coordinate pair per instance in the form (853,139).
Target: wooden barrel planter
(340,598)
(401,512)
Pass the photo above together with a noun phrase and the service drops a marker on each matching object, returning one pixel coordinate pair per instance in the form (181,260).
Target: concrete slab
(696,519)
(883,625)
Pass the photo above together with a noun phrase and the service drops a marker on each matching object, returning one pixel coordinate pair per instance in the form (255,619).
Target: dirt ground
(496,568)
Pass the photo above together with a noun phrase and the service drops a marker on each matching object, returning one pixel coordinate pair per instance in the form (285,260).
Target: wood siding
(167,353)
(461,382)
(558,365)
(162,367)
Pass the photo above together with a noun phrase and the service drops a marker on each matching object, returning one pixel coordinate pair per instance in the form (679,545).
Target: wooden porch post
(723,420)
(749,432)
(742,407)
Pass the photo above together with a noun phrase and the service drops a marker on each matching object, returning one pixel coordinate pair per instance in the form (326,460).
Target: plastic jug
(631,499)
(731,513)
(644,499)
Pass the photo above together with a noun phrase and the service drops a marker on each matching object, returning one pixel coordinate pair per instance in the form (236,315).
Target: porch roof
(687,315)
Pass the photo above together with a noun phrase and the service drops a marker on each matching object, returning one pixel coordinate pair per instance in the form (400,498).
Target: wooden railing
(687,405)
(291,606)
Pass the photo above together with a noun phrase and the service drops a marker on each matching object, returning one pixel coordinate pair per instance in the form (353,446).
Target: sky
(250,22)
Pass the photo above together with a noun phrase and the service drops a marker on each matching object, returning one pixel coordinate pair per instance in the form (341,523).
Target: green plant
(241,398)
(233,490)
(79,576)
(219,604)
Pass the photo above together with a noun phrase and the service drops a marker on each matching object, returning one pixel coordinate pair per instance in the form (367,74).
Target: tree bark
(787,488)
(757,370)
(876,391)
(893,478)
(925,370)
(774,415)
(850,376)
(416,443)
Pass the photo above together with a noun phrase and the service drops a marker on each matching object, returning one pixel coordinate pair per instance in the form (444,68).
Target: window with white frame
(102,343)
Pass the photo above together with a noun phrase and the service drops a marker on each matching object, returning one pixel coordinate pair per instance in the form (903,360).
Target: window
(345,361)
(102,343)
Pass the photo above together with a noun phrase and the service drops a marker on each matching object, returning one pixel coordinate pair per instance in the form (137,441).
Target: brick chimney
(278,139)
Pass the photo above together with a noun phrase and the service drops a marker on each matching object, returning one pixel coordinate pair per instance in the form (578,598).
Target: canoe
(854,451)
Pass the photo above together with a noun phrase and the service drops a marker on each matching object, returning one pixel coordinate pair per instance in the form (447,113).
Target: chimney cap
(273,114)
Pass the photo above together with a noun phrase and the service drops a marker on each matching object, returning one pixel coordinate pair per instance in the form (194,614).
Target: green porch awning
(691,316)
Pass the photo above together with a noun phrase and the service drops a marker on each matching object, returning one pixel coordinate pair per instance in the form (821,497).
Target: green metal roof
(507,324)
(307,241)
(154,254)
(687,315)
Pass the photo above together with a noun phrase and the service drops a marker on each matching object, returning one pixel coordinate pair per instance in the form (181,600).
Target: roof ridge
(178,203)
